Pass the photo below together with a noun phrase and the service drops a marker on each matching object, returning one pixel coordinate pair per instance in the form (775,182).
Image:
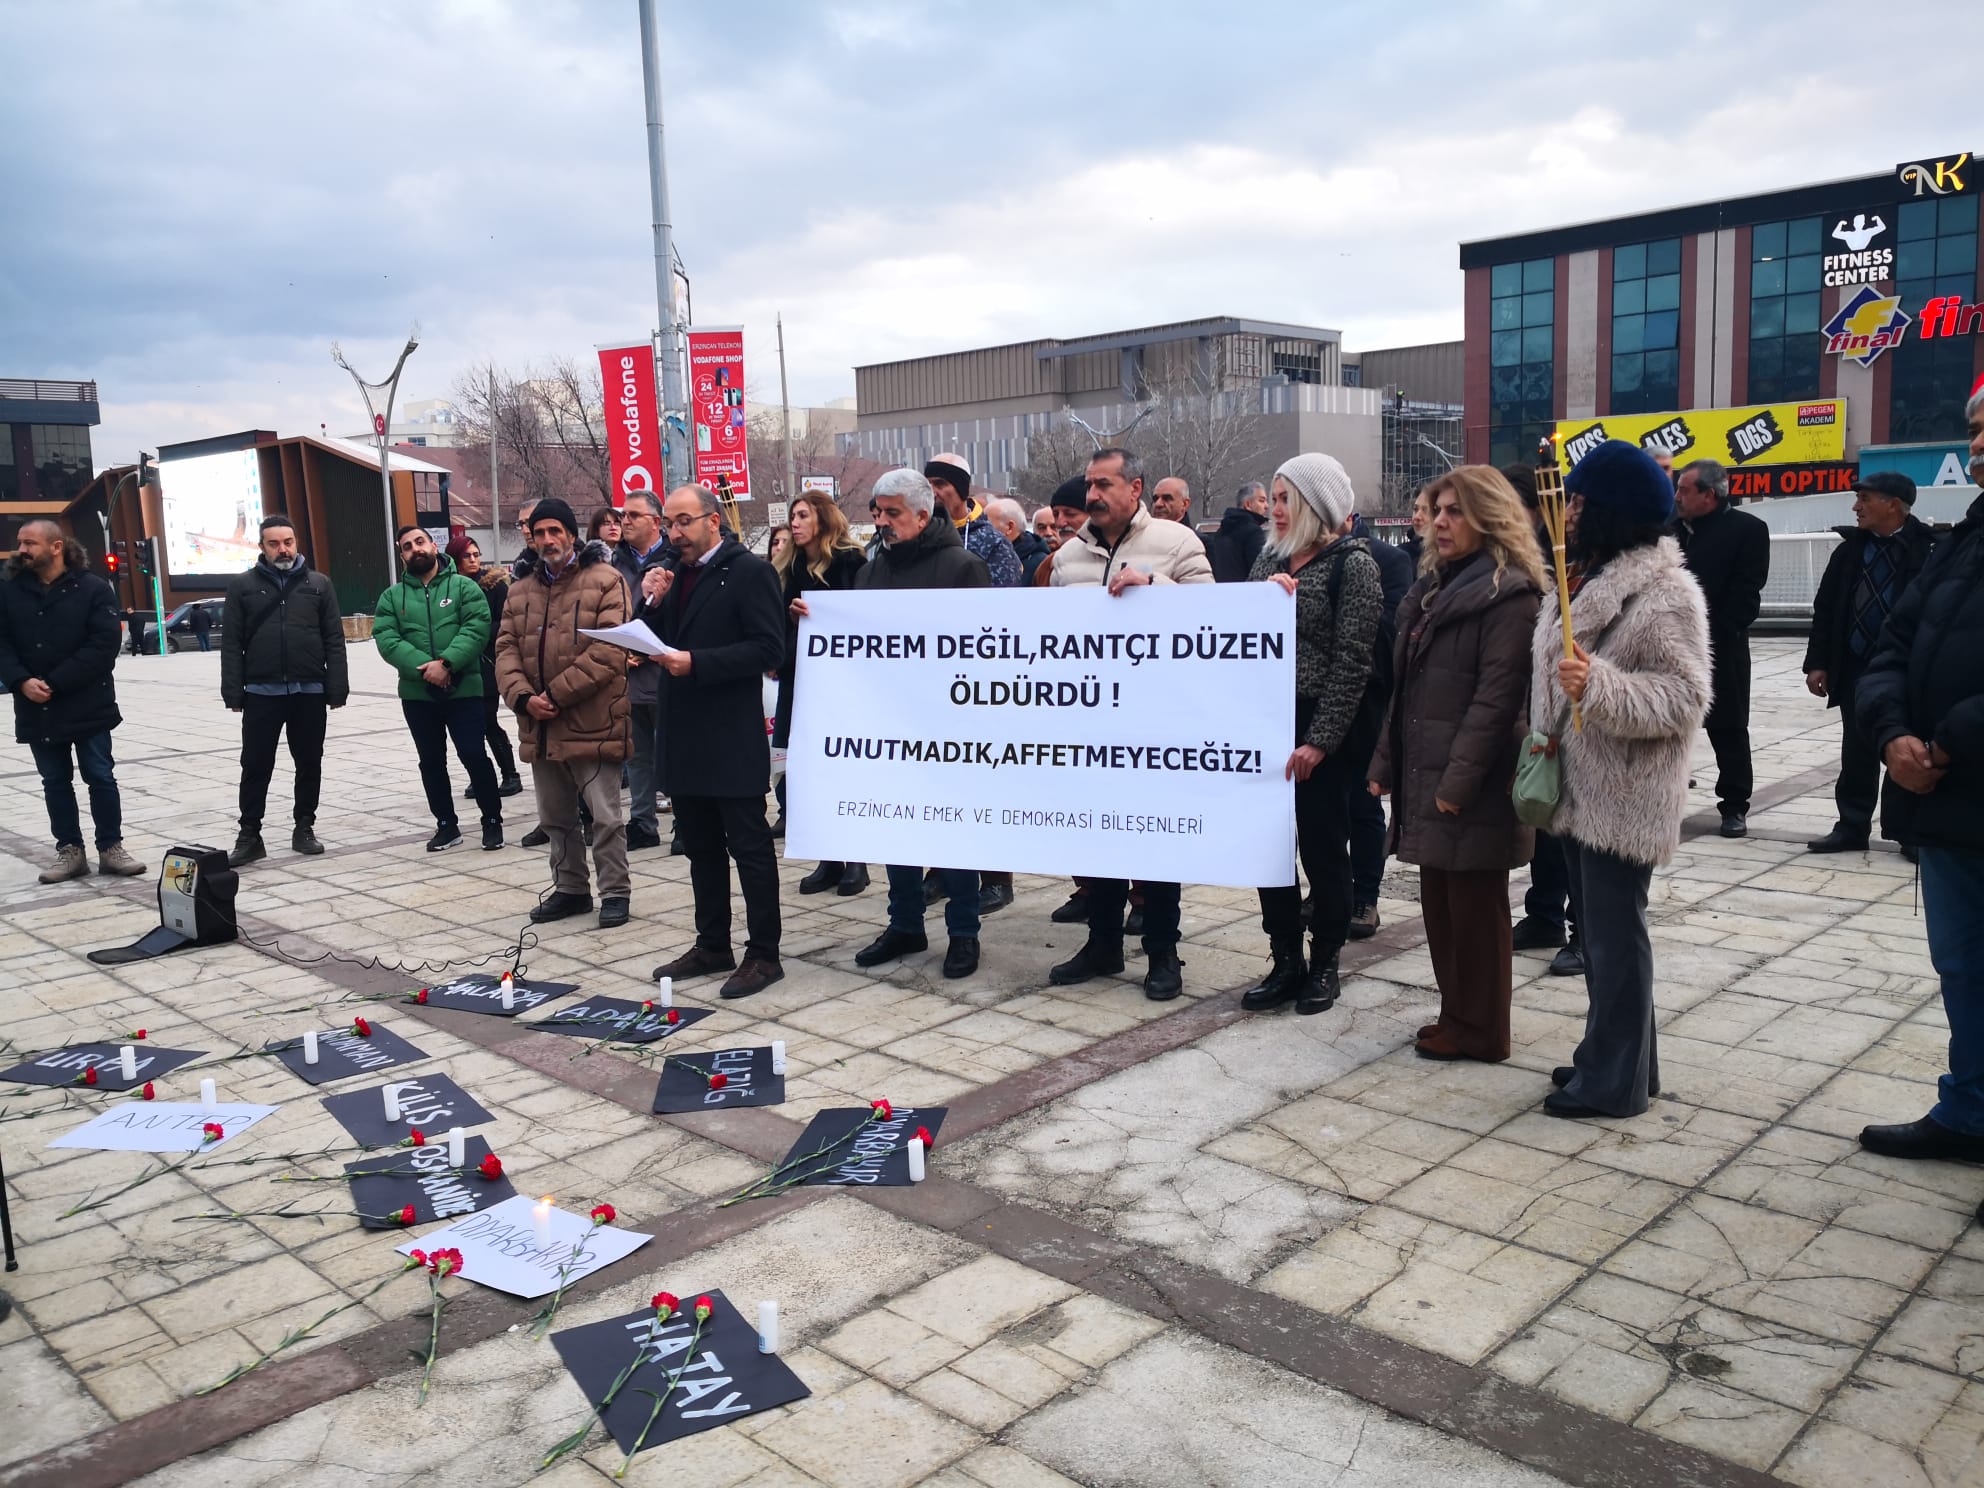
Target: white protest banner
(514,1248)
(1056,731)
(162,1126)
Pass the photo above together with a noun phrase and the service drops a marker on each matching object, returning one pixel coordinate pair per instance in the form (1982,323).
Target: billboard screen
(212,509)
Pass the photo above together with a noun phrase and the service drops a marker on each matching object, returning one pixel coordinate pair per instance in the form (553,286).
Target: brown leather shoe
(753,976)
(697,961)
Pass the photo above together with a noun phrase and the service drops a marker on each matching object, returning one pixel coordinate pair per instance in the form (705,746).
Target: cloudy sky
(201,195)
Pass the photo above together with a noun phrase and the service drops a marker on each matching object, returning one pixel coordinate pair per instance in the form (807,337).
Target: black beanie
(1072,492)
(1622,477)
(551,509)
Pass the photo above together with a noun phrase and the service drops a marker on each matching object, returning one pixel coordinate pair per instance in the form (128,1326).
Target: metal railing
(1797,563)
(42,390)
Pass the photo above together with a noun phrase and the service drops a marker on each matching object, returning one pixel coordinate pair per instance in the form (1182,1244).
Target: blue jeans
(58,785)
(906,899)
(1953,903)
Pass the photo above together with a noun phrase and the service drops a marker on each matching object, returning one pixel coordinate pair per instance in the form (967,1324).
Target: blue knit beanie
(1622,478)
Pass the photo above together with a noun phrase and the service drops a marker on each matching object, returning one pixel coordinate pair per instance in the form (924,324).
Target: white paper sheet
(161,1126)
(500,1249)
(635,635)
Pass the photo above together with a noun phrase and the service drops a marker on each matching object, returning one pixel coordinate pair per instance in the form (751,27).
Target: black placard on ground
(62,1066)
(382,1186)
(875,1156)
(726,1380)
(342,1053)
(484,994)
(429,1104)
(747,1081)
(618,1019)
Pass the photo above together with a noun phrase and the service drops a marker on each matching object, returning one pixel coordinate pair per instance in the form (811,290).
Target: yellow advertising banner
(1762,434)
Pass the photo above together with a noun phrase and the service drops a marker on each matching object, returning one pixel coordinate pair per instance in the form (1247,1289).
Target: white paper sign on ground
(162,1126)
(1056,731)
(500,1247)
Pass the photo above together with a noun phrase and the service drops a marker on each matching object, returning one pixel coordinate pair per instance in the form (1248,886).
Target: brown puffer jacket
(539,649)
(1458,717)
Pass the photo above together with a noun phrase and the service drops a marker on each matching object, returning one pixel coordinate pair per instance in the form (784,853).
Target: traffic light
(143,549)
(113,559)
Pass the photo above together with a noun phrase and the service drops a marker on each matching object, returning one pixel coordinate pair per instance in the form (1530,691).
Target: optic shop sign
(1055,731)
(1760,434)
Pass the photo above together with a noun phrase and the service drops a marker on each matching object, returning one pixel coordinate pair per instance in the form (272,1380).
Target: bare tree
(1053,455)
(1211,437)
(549,431)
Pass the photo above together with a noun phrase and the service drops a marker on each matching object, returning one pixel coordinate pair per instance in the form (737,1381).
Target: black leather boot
(1319,989)
(1283,980)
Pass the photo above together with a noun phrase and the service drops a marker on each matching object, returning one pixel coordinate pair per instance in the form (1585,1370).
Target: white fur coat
(1625,777)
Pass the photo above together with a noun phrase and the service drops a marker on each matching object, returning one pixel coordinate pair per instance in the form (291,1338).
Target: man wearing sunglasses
(722,610)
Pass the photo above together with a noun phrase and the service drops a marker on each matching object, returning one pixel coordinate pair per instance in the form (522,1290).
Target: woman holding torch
(1624,704)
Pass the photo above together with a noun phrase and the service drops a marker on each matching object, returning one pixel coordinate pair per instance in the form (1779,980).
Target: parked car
(179,625)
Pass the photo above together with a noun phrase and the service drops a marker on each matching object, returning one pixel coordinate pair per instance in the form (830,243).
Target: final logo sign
(1867,326)
(725,1380)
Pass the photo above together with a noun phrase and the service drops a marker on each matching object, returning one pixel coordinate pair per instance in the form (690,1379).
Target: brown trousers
(1467,934)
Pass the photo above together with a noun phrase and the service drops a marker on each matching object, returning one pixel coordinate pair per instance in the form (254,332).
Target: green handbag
(1539,780)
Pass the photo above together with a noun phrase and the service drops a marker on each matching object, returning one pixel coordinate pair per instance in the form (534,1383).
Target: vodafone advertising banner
(633,418)
(716,407)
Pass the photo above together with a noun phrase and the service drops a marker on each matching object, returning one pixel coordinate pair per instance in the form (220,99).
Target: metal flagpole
(382,425)
(791,475)
(674,406)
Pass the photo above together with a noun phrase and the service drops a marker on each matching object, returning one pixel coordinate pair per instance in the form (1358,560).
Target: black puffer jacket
(1927,679)
(66,634)
(644,681)
(1237,544)
(281,627)
(1830,650)
(936,558)
(1032,549)
(843,568)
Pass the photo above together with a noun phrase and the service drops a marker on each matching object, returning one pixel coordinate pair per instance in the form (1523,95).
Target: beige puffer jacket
(1172,552)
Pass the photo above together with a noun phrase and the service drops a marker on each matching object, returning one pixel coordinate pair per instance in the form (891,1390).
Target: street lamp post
(382,426)
(674,404)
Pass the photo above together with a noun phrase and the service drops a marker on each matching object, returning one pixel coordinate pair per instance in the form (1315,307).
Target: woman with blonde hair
(821,554)
(1458,715)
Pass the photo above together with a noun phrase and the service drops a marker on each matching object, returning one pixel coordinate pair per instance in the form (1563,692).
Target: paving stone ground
(1161,1244)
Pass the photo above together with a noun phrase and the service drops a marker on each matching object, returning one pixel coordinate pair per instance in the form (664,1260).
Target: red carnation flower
(491,1167)
(360,1027)
(150,1094)
(442,1262)
(882,1109)
(647,1007)
(418,1257)
(923,1136)
(704,1307)
(88,1076)
(719,1080)
(674,1015)
(211,1132)
(665,1305)
(139,1034)
(604,1214)
(421,995)
(414,1138)
(405,1216)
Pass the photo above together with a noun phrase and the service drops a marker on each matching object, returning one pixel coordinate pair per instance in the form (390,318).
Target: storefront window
(1935,254)
(1521,358)
(1786,267)
(61,460)
(1646,327)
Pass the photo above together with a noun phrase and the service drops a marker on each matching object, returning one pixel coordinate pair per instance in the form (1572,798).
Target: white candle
(778,1056)
(456,1141)
(310,1047)
(207,1096)
(127,1061)
(509,992)
(768,1327)
(392,1094)
(540,1221)
(665,993)
(915,1160)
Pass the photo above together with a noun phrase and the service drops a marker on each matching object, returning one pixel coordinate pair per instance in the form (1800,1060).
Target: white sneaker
(661,803)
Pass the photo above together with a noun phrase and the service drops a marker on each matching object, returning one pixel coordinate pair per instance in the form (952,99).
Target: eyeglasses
(682,523)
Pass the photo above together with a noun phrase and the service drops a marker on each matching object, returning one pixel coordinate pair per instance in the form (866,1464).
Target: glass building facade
(1522,319)
(44,462)
(1935,254)
(1646,327)
(1786,269)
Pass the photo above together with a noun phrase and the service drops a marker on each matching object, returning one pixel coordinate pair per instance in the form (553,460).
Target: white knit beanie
(1321,481)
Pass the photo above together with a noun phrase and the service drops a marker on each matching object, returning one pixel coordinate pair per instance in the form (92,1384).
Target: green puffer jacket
(446,620)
